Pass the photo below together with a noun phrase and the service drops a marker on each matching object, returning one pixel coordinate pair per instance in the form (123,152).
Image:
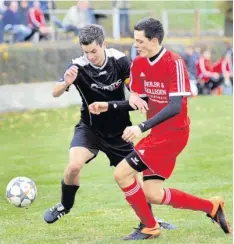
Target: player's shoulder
(81,61)
(114,53)
(172,56)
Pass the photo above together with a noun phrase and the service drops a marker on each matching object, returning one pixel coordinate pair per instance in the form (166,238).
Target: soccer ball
(21,191)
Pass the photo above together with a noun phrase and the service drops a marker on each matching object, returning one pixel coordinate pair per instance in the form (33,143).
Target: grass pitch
(35,144)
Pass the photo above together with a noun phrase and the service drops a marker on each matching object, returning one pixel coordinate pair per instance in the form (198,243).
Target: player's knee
(74,168)
(153,199)
(153,196)
(118,176)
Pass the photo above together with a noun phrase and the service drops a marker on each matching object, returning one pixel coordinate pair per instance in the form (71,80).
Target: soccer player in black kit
(100,74)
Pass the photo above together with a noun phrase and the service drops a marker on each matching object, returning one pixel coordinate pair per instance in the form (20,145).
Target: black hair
(153,28)
(90,33)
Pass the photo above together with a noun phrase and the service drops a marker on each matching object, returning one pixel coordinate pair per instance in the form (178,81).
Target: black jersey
(106,83)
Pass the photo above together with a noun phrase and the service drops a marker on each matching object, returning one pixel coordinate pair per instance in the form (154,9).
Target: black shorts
(116,149)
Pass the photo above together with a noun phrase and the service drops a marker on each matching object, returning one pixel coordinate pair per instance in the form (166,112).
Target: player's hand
(98,107)
(137,103)
(71,74)
(131,133)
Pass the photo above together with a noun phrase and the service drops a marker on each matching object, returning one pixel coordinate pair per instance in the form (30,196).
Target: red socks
(136,198)
(183,200)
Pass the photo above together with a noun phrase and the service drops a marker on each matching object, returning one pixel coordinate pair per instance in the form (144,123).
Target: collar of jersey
(97,67)
(162,51)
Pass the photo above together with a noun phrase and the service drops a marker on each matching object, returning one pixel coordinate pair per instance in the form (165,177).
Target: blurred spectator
(45,6)
(37,21)
(196,53)
(11,21)
(190,58)
(77,17)
(207,79)
(224,67)
(123,6)
(23,12)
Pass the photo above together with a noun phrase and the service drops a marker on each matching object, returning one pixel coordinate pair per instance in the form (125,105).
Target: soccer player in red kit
(161,76)
(224,67)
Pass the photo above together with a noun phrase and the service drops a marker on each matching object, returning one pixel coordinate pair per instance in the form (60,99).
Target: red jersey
(164,77)
(36,18)
(222,66)
(204,69)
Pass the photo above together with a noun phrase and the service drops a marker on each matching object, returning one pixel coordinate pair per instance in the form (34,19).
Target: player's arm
(101,107)
(68,78)
(129,105)
(172,109)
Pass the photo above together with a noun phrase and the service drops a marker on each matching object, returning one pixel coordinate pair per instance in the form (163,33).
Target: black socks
(68,195)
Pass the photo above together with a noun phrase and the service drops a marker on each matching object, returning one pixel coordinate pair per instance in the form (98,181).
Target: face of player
(95,53)
(145,47)
(207,54)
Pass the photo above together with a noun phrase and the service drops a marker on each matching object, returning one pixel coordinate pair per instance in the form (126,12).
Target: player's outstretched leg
(59,210)
(218,214)
(213,207)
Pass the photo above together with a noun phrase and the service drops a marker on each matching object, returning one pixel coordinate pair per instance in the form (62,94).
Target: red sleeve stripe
(180,76)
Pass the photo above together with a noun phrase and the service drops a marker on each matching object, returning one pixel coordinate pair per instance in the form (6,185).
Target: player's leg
(125,175)
(163,224)
(83,149)
(78,156)
(162,159)
(116,150)
(214,207)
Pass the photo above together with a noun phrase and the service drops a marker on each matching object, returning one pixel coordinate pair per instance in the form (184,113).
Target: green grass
(177,22)
(35,144)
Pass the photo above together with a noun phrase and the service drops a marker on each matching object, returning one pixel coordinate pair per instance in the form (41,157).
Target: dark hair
(90,33)
(153,28)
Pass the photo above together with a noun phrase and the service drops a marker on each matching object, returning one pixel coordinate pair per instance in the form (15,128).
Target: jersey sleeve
(136,83)
(179,84)
(125,67)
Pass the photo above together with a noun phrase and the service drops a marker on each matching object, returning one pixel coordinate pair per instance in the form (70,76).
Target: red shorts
(159,151)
